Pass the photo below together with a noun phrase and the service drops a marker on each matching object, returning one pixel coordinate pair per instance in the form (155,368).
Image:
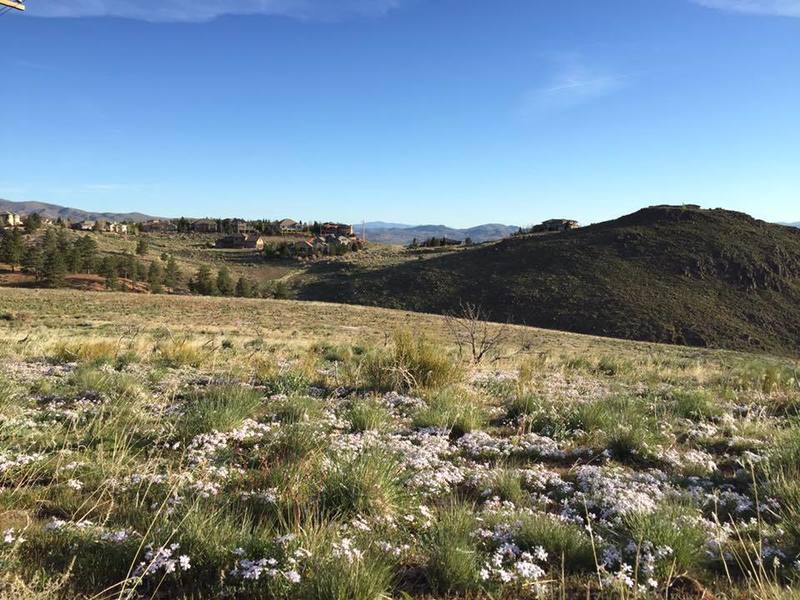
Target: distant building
(117,228)
(84,225)
(157,226)
(289,225)
(241,226)
(558,225)
(205,226)
(253,241)
(303,248)
(9,219)
(337,229)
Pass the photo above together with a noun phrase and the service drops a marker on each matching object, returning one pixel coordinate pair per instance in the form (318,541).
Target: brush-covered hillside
(669,274)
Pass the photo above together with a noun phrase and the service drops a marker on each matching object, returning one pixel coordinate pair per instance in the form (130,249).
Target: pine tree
(54,269)
(155,278)
(127,267)
(172,275)
(87,251)
(109,270)
(244,289)
(12,248)
(203,282)
(224,282)
(33,261)
(33,222)
(142,246)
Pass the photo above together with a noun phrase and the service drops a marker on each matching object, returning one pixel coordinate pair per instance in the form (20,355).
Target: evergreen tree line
(206,283)
(55,255)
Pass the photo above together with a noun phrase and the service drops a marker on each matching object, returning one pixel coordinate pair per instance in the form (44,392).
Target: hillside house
(337,229)
(84,226)
(9,219)
(205,226)
(302,248)
(254,241)
(121,228)
(241,226)
(289,226)
(558,225)
(157,226)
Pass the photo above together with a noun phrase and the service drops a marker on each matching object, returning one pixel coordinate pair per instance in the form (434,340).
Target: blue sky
(421,111)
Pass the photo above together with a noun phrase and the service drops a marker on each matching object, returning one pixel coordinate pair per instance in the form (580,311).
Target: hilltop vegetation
(670,274)
(184,447)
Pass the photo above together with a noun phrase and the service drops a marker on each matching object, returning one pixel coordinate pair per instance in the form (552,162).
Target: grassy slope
(676,275)
(116,437)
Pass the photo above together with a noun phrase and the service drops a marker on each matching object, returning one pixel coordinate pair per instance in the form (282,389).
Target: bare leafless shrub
(476,337)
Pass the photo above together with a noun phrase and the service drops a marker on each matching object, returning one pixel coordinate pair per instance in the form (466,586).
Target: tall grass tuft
(177,353)
(218,408)
(368,415)
(409,363)
(373,483)
(453,565)
(453,409)
(341,569)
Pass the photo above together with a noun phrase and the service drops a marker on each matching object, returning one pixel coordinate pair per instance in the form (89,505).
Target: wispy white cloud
(574,83)
(208,10)
(776,8)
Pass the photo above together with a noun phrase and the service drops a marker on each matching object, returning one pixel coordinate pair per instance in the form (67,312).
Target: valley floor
(188,447)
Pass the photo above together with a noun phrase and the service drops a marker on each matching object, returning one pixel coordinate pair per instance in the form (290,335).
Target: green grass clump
(342,568)
(181,353)
(694,404)
(453,562)
(286,383)
(373,483)
(218,408)
(507,484)
(675,526)
(452,409)
(523,405)
(409,363)
(561,540)
(625,425)
(116,385)
(368,415)
(297,409)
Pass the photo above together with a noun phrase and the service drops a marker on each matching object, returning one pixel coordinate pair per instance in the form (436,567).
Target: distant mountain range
(396,233)
(54,211)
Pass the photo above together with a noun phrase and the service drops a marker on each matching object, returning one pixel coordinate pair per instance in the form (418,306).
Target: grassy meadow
(188,447)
